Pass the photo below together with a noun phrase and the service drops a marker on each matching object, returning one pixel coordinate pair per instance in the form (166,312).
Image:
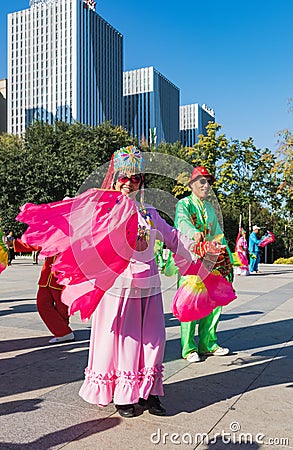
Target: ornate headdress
(126,159)
(129,159)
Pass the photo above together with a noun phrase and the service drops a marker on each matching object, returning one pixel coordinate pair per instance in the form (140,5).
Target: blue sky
(235,56)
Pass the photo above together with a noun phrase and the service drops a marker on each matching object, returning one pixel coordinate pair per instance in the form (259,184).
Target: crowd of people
(119,284)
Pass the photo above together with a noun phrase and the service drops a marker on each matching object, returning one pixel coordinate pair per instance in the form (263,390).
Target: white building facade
(64,63)
(3,105)
(193,121)
(151,106)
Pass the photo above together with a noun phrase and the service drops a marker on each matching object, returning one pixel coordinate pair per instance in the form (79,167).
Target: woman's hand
(209,248)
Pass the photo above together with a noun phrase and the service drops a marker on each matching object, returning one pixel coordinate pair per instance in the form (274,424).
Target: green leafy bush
(284,261)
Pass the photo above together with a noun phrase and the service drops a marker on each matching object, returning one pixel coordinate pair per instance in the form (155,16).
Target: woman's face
(128,183)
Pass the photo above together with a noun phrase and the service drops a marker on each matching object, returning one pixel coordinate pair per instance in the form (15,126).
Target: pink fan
(197,298)
(200,293)
(267,239)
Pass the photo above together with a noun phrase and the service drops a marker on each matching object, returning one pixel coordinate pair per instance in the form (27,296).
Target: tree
(283,172)
(283,167)
(210,148)
(163,167)
(51,162)
(12,176)
(243,176)
(206,152)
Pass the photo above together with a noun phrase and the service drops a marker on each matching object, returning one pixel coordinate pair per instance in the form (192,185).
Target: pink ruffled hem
(124,387)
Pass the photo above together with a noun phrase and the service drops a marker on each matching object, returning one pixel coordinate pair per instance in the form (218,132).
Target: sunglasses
(134,179)
(204,181)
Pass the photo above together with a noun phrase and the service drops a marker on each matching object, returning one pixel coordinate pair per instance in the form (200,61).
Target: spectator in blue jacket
(254,250)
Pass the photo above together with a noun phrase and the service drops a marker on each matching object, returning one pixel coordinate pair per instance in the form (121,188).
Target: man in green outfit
(196,218)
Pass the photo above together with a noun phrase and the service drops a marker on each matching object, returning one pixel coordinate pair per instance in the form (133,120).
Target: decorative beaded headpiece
(129,159)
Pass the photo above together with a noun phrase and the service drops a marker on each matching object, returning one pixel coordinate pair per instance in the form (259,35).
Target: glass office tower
(193,121)
(151,106)
(64,63)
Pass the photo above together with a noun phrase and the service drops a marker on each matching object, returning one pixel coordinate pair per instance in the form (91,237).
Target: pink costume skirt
(126,348)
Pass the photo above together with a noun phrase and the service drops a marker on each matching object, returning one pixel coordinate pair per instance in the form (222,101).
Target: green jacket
(193,216)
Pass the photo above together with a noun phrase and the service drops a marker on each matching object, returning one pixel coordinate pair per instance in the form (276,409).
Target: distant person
(196,218)
(9,242)
(241,251)
(23,247)
(159,255)
(53,312)
(254,250)
(35,256)
(3,251)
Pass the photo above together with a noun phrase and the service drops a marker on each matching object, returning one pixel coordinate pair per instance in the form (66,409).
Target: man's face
(201,187)
(256,230)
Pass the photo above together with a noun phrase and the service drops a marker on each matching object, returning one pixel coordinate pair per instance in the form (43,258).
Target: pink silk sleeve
(94,235)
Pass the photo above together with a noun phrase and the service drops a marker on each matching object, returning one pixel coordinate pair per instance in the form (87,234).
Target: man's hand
(209,249)
(215,256)
(199,237)
(215,248)
(220,262)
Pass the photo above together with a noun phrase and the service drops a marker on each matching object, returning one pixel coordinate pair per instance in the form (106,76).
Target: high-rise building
(3,105)
(64,63)
(193,121)
(151,106)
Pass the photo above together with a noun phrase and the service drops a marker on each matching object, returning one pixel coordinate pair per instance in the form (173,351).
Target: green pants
(207,340)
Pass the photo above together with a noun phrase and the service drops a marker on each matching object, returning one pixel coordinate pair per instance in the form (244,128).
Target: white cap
(255,227)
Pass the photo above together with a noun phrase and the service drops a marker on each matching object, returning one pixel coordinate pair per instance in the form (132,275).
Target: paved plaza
(213,404)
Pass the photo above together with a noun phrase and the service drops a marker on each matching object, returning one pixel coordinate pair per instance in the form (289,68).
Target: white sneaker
(193,357)
(67,338)
(220,351)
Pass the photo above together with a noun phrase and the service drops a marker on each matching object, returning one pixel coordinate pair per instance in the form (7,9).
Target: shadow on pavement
(43,367)
(170,320)
(18,300)
(264,274)
(245,338)
(31,343)
(197,393)
(220,444)
(71,434)
(235,316)
(26,308)
(19,406)
(51,366)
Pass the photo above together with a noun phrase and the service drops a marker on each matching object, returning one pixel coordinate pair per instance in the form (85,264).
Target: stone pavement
(246,395)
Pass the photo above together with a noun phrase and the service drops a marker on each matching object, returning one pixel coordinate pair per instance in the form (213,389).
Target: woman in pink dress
(106,242)
(128,331)
(241,250)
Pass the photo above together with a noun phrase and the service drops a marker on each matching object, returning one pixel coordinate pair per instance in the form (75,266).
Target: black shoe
(153,404)
(126,410)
